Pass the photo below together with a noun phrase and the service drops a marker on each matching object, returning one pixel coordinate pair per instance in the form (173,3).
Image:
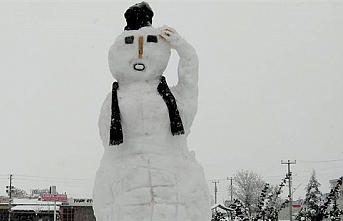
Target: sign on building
(54,197)
(78,202)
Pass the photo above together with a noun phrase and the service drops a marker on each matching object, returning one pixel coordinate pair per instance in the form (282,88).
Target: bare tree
(19,193)
(247,188)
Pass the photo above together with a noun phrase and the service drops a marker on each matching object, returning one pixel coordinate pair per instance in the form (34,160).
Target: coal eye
(152,38)
(129,40)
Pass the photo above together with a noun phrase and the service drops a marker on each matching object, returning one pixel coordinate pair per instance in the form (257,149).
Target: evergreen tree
(275,202)
(311,209)
(240,212)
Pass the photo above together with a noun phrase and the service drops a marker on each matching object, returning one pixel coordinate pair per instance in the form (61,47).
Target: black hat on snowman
(138,16)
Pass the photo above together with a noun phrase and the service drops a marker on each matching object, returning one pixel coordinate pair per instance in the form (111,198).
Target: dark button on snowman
(147,172)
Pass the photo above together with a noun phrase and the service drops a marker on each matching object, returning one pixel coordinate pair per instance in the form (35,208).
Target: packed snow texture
(151,176)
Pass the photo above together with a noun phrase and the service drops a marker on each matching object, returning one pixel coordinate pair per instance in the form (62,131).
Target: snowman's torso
(145,123)
(145,118)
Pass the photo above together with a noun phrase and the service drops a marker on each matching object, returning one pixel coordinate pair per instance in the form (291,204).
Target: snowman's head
(139,55)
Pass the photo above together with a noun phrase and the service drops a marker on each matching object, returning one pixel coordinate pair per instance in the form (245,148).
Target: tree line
(256,199)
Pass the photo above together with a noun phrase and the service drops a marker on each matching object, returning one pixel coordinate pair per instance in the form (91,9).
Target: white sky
(271,89)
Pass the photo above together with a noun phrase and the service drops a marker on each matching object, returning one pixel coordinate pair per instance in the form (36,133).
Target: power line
(319,161)
(56,178)
(23,180)
(216,179)
(55,181)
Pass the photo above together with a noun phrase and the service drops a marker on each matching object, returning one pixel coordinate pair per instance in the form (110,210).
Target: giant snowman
(147,172)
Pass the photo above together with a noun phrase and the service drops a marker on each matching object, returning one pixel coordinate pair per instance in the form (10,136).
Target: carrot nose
(140,47)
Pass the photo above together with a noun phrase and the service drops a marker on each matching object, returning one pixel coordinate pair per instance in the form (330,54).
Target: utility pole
(231,189)
(215,190)
(289,175)
(10,198)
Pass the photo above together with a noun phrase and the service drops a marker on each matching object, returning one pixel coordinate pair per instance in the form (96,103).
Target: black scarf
(176,127)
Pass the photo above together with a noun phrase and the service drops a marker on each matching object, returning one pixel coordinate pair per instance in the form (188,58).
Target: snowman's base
(161,191)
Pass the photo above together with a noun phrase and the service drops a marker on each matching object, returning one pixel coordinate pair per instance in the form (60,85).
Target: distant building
(33,209)
(77,210)
(27,209)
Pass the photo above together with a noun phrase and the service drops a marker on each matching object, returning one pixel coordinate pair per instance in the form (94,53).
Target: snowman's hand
(183,48)
(170,35)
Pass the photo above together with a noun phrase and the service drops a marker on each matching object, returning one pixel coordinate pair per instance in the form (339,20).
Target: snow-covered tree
(263,201)
(331,200)
(22,194)
(18,193)
(36,193)
(247,187)
(270,202)
(240,212)
(275,203)
(311,209)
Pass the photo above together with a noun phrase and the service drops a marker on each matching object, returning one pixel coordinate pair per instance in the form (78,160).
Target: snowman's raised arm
(186,90)
(188,63)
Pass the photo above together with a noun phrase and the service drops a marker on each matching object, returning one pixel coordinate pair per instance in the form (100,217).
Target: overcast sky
(271,89)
